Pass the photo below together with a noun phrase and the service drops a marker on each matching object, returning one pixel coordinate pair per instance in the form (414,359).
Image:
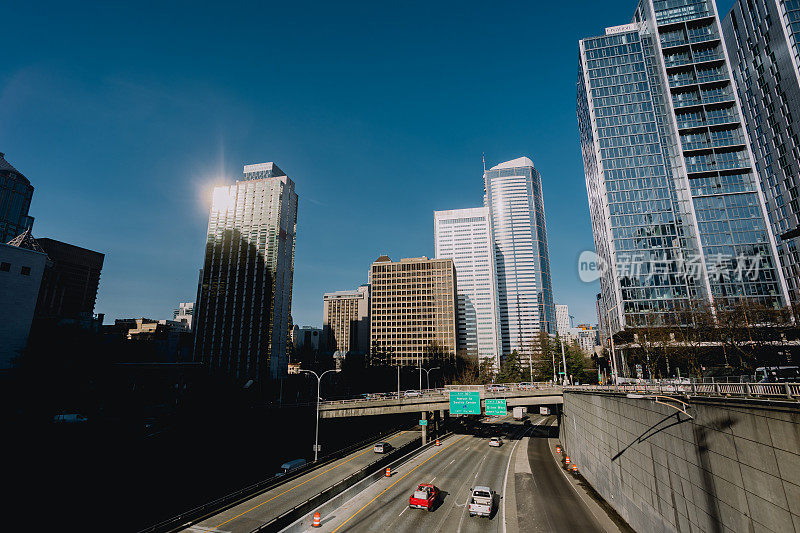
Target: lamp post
(564,361)
(427,375)
(316,432)
(614,371)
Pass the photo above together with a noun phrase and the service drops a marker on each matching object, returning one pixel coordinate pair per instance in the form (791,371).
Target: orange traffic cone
(317,520)
(574,469)
(388,472)
(438,443)
(566,459)
(558,449)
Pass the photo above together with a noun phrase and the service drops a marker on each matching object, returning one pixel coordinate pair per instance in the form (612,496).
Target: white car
(412,394)
(382,447)
(496,388)
(495,442)
(525,386)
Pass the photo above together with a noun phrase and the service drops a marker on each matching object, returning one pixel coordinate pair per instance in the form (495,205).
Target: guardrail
(201,512)
(789,391)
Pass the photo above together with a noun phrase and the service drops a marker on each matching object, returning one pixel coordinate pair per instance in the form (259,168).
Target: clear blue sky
(124,117)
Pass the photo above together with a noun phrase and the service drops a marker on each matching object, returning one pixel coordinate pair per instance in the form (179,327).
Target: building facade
(563,323)
(761,38)
(412,311)
(675,201)
(184,313)
(464,235)
(244,298)
(21,270)
(513,195)
(345,321)
(16,193)
(70,281)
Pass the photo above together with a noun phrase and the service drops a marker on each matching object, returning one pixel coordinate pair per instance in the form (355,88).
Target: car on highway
(71,418)
(481,502)
(288,466)
(494,387)
(424,497)
(525,386)
(382,447)
(412,394)
(495,442)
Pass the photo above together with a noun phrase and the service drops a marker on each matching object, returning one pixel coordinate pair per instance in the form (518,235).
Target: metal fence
(790,391)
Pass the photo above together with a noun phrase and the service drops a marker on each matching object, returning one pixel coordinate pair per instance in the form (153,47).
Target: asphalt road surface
(261,509)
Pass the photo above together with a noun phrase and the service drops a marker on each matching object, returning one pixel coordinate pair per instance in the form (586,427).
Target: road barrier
(784,391)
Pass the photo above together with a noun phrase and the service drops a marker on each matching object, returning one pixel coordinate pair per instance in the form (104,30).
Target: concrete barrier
(734,467)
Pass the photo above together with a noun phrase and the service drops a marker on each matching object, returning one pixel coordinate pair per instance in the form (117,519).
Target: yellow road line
(303,483)
(396,482)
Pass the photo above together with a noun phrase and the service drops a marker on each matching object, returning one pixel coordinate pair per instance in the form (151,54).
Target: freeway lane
(261,509)
(461,463)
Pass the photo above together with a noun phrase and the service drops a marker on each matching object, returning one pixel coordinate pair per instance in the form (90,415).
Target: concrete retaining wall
(734,468)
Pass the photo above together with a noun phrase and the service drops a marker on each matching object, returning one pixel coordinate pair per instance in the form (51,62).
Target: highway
(545,500)
(264,507)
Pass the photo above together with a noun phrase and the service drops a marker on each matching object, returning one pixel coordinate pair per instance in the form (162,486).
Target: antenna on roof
(484,161)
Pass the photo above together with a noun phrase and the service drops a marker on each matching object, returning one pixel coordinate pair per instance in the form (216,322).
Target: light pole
(564,361)
(614,371)
(427,375)
(316,432)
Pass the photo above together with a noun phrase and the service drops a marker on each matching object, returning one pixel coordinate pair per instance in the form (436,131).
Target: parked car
(412,394)
(495,442)
(481,502)
(71,418)
(424,497)
(777,374)
(289,466)
(382,447)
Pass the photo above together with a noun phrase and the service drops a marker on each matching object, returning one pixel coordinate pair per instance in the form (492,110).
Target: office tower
(464,235)
(412,311)
(184,313)
(345,320)
(22,263)
(70,281)
(761,38)
(513,194)
(563,323)
(16,193)
(243,303)
(676,207)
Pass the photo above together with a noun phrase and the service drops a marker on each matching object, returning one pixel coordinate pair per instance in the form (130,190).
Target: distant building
(563,323)
(16,193)
(167,341)
(587,336)
(412,311)
(244,299)
(70,282)
(345,321)
(464,235)
(184,313)
(21,269)
(306,337)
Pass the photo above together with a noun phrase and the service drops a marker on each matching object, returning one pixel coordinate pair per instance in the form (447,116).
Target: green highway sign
(496,406)
(423,422)
(465,402)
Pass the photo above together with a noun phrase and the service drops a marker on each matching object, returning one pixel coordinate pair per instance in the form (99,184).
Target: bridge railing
(789,391)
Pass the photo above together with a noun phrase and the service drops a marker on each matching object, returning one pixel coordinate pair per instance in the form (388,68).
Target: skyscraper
(345,320)
(676,206)
(244,297)
(412,311)
(761,38)
(513,195)
(16,193)
(70,281)
(464,235)
(563,323)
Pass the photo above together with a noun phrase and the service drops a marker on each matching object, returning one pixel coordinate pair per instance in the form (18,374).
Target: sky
(124,117)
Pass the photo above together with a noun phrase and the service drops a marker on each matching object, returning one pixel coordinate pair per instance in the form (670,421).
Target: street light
(319,380)
(614,371)
(427,375)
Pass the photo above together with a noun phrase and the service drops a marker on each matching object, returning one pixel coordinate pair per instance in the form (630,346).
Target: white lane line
(508,466)
(403,511)
(434,479)
(451,462)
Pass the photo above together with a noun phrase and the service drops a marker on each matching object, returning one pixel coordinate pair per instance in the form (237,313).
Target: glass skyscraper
(513,196)
(464,235)
(675,201)
(16,193)
(761,38)
(245,292)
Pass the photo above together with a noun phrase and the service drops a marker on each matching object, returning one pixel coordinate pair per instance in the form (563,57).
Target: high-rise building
(22,263)
(761,38)
(244,299)
(464,235)
(563,323)
(675,201)
(16,193)
(412,311)
(345,321)
(513,195)
(70,281)
(184,313)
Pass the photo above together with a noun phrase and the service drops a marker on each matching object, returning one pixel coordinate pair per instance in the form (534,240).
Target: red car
(424,497)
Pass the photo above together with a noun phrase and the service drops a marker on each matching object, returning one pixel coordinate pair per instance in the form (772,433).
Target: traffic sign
(423,422)
(465,402)
(496,406)
(316,447)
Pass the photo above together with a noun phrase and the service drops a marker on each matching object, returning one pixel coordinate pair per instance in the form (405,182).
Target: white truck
(519,413)
(544,411)
(481,502)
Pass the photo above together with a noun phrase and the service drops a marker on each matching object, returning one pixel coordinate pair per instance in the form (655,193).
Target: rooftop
(514,163)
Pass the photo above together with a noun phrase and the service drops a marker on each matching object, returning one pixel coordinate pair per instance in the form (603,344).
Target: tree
(510,369)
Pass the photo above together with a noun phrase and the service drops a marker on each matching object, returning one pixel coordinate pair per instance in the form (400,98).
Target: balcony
(711,76)
(722,119)
(673,42)
(689,146)
(703,36)
(681,81)
(724,142)
(671,62)
(686,102)
(691,123)
(714,98)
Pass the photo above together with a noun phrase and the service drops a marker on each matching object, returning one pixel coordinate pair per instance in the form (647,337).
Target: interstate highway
(260,509)
(463,461)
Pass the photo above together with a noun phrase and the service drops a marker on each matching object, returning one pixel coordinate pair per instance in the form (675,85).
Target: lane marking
(432,480)
(403,511)
(396,482)
(508,466)
(303,483)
